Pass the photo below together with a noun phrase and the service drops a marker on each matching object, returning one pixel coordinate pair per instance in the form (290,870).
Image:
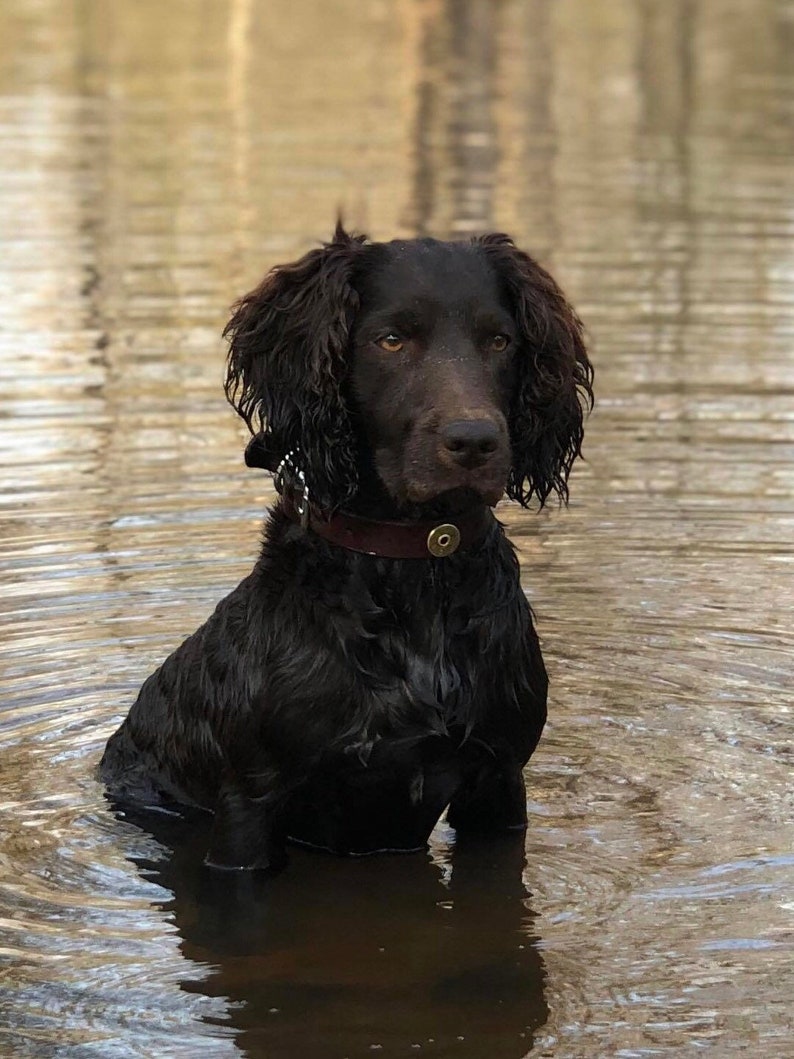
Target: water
(155,159)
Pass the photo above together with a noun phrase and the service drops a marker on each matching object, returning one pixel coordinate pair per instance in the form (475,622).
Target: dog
(380,664)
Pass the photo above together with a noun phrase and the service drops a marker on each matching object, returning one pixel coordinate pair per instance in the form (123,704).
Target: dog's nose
(470,442)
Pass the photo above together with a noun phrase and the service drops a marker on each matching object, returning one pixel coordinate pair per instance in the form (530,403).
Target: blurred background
(155,160)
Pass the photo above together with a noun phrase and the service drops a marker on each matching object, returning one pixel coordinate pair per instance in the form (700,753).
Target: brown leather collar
(398,540)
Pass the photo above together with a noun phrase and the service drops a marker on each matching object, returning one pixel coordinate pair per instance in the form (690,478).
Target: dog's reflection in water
(417,953)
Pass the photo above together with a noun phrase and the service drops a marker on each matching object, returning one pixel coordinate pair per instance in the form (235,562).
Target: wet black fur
(336,698)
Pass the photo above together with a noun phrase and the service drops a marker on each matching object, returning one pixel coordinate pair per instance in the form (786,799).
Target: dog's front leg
(247,832)
(493,799)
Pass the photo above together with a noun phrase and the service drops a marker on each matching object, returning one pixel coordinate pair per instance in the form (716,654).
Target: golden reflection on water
(155,159)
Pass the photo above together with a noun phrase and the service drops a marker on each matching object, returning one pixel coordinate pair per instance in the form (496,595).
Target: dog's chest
(428,674)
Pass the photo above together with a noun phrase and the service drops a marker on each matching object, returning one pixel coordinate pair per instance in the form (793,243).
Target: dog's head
(441,368)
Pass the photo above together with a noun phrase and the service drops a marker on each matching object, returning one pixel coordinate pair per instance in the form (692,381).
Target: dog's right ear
(288,358)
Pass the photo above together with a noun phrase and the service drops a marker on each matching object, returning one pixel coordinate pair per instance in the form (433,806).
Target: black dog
(380,662)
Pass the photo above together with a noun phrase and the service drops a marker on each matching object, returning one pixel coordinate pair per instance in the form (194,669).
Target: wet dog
(379,665)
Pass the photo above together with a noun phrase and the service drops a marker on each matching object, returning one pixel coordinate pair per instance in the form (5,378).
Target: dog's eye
(499,343)
(391,343)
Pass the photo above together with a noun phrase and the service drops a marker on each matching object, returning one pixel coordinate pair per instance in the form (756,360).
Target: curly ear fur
(287,360)
(554,376)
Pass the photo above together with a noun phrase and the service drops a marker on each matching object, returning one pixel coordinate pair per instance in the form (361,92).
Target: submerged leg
(247,832)
(494,799)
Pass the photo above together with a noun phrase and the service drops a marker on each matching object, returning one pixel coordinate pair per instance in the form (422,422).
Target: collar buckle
(443,540)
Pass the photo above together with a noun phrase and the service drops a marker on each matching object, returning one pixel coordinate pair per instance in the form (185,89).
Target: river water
(155,158)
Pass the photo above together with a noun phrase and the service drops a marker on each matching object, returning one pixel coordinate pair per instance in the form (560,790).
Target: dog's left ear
(554,377)
(287,361)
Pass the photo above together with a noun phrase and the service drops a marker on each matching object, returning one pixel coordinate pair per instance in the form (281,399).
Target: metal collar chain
(290,478)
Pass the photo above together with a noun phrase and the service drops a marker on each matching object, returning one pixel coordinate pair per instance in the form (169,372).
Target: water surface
(154,160)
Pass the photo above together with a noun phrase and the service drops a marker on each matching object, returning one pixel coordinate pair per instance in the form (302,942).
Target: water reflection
(339,956)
